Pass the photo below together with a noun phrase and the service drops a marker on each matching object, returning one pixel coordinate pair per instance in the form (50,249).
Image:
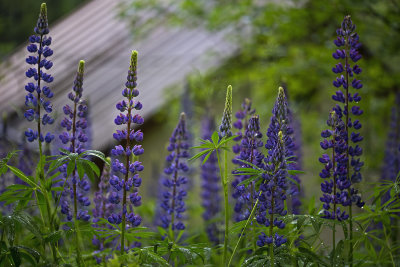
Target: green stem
(244,229)
(79,259)
(224,176)
(226,206)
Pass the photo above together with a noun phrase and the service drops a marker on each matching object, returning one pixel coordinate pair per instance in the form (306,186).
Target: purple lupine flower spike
(172,203)
(125,190)
(273,190)
(250,147)
(334,173)
(38,94)
(102,210)
(211,188)
(240,193)
(74,138)
(346,170)
(273,195)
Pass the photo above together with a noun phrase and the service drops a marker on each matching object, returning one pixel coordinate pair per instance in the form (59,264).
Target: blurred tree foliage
(16,19)
(291,43)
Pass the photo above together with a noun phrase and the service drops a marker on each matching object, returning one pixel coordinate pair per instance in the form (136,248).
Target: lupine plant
(348,45)
(172,202)
(51,219)
(242,194)
(128,169)
(74,138)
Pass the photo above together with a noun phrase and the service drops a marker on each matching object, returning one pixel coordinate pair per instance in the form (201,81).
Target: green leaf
(247,181)
(95,153)
(53,237)
(4,161)
(294,172)
(88,170)
(70,167)
(93,166)
(147,256)
(16,256)
(225,140)
(215,138)
(30,251)
(80,169)
(250,164)
(22,176)
(207,156)
(198,155)
(41,202)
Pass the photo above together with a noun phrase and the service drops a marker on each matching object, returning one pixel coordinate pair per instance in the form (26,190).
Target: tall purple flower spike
(74,138)
(274,186)
(172,204)
(344,165)
(38,94)
(241,194)
(125,190)
(102,210)
(211,188)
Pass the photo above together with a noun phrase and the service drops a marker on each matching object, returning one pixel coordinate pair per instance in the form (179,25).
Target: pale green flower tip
(81,67)
(134,56)
(43,10)
(281,91)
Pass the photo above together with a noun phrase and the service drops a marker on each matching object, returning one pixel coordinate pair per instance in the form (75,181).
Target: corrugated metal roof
(97,35)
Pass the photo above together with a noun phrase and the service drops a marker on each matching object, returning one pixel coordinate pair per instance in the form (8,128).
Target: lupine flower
(249,150)
(172,203)
(102,208)
(226,123)
(74,138)
(336,184)
(391,162)
(345,144)
(211,188)
(274,186)
(38,94)
(273,195)
(240,194)
(125,190)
